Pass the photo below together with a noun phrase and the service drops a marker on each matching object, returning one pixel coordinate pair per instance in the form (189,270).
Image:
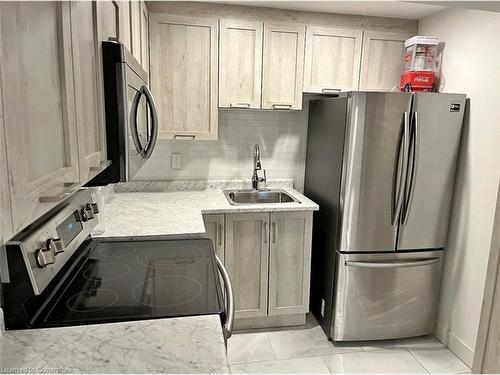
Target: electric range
(58,275)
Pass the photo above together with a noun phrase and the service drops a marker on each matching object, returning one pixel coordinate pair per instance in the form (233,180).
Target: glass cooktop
(140,280)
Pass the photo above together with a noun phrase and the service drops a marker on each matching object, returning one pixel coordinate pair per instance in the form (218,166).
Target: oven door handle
(228,326)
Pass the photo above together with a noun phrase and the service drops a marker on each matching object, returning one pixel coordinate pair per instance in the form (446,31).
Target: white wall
(281,136)
(471,64)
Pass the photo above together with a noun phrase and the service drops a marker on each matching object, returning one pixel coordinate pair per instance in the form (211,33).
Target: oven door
(142,122)
(385,296)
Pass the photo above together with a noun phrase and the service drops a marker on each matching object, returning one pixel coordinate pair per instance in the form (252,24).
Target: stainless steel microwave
(131,117)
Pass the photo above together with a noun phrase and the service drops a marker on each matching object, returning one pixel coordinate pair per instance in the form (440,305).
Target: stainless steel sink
(239,197)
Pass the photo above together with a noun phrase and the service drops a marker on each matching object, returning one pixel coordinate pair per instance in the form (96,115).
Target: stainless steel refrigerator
(381,166)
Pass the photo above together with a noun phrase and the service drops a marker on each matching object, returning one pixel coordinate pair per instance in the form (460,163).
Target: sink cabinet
(268,258)
(214,225)
(247,262)
(289,262)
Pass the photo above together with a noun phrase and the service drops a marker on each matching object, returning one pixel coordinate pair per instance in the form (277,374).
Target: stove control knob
(90,211)
(95,208)
(56,245)
(44,257)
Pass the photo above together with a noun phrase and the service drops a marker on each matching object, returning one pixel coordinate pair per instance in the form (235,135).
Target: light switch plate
(176,160)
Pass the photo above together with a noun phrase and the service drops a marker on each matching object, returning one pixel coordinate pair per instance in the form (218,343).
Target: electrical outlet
(176,160)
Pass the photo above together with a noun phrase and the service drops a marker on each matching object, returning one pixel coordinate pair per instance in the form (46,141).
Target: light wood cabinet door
(290,262)
(247,248)
(38,105)
(124,24)
(135,28)
(89,112)
(283,64)
(382,60)
(332,59)
(214,225)
(144,37)
(183,67)
(240,65)
(5,213)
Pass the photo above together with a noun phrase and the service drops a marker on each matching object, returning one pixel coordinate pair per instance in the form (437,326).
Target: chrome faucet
(257,166)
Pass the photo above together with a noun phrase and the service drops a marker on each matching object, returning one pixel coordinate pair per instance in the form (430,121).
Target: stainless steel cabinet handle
(228,326)
(239,105)
(282,106)
(69,189)
(219,234)
(329,90)
(274,232)
(401,165)
(414,145)
(265,232)
(418,263)
(184,137)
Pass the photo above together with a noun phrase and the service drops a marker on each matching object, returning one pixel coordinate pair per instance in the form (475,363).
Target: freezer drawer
(383,296)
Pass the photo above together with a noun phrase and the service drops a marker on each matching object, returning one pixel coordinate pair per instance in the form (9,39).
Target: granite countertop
(176,345)
(173,214)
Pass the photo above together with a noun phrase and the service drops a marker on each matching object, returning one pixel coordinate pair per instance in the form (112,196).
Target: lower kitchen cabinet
(214,225)
(268,258)
(247,261)
(290,262)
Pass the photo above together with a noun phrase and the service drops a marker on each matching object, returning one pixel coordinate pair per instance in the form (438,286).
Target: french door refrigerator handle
(228,326)
(417,263)
(402,152)
(414,143)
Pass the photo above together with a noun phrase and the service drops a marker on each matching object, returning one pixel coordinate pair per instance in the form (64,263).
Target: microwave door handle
(133,123)
(228,326)
(154,122)
(414,166)
(400,170)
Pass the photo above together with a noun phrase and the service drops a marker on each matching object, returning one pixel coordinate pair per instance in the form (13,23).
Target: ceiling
(398,9)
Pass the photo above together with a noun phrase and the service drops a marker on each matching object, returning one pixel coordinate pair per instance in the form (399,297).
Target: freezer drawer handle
(418,263)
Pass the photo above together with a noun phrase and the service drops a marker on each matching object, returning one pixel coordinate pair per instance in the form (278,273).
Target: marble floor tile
(308,365)
(439,360)
(412,342)
(393,361)
(249,347)
(310,341)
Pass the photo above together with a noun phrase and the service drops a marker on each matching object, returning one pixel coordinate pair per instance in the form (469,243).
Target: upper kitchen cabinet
(135,28)
(111,20)
(88,103)
(183,65)
(283,63)
(240,69)
(5,214)
(382,60)
(144,37)
(332,59)
(38,106)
